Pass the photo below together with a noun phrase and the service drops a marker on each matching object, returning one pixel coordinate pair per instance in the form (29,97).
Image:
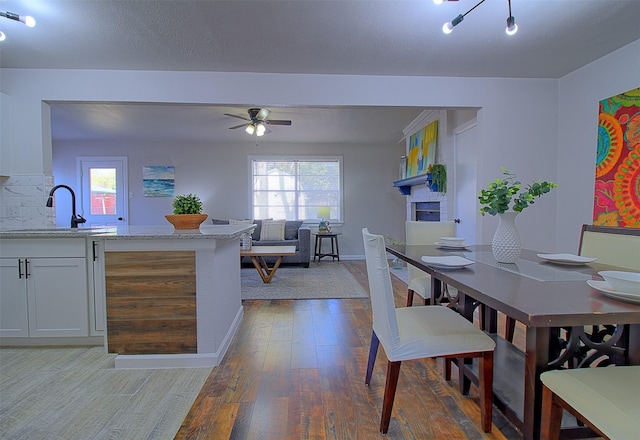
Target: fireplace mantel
(404,185)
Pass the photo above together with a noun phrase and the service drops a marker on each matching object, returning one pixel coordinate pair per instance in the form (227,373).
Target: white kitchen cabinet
(43,288)
(97,306)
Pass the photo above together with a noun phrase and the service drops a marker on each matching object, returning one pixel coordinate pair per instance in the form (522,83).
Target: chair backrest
(385,322)
(611,245)
(426,233)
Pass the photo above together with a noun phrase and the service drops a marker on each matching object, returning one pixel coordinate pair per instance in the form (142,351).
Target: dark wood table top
(532,291)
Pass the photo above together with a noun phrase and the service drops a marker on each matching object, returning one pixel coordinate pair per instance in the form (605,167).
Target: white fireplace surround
(444,154)
(422,193)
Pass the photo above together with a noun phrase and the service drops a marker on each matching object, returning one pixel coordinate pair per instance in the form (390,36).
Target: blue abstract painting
(157,181)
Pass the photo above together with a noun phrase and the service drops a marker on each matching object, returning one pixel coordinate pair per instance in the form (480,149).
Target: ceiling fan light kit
(257,121)
(447,28)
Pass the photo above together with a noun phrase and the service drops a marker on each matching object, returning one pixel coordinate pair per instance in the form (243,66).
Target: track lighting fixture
(26,19)
(447,28)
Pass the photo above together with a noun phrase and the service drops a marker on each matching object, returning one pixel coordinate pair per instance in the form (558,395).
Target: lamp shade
(324,212)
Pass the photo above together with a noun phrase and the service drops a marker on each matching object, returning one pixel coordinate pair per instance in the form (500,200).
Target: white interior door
(103,190)
(465,173)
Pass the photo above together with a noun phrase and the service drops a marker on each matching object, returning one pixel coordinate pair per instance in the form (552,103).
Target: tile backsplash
(22,202)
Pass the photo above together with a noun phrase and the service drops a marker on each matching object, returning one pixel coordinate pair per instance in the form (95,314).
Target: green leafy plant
(500,193)
(389,239)
(187,204)
(439,176)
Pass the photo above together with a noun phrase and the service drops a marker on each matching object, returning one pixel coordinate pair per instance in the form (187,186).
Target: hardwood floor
(296,369)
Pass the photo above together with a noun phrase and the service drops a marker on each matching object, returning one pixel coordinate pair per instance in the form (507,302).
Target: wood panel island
(159,297)
(172,297)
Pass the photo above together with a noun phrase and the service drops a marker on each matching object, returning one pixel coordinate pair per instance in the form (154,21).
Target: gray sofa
(294,235)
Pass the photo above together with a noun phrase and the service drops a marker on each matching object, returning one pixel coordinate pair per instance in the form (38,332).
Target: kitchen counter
(152,232)
(170,298)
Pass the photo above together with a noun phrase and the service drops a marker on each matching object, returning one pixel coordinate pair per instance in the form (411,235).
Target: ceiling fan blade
(277,122)
(236,116)
(237,126)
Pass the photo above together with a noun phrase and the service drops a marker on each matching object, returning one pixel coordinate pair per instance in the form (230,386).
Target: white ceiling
(381,37)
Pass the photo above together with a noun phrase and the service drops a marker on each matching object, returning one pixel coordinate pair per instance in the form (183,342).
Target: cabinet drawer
(42,247)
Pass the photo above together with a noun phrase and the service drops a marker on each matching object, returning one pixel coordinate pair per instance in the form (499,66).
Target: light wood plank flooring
(295,370)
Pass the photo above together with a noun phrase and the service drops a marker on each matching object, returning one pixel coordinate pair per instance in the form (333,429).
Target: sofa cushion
(240,222)
(291,229)
(272,230)
(280,243)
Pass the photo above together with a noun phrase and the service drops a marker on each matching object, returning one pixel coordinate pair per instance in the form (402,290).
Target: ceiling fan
(257,121)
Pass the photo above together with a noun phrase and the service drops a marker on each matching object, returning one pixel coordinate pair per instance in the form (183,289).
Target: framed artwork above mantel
(422,150)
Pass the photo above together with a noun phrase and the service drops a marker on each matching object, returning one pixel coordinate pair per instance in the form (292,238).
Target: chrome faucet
(75,218)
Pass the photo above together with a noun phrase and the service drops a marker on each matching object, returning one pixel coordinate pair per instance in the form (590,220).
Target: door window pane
(102,183)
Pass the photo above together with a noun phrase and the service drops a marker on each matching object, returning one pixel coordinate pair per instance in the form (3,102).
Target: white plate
(607,290)
(452,240)
(450,246)
(566,258)
(447,262)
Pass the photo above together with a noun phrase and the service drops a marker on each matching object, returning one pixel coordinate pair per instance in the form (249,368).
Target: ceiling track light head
(447,28)
(26,19)
(512,27)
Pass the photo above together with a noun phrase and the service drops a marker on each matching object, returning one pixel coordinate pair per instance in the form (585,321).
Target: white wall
(578,96)
(521,122)
(514,111)
(219,175)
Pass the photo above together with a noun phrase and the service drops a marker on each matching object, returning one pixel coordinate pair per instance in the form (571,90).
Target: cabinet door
(97,306)
(14,319)
(57,297)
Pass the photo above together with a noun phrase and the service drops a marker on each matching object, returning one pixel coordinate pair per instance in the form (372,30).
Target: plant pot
(506,240)
(186,221)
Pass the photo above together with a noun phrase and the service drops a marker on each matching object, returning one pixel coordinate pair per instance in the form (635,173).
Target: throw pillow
(272,230)
(291,229)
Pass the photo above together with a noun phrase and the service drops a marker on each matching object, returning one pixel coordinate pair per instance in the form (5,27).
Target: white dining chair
(605,399)
(410,333)
(611,245)
(424,233)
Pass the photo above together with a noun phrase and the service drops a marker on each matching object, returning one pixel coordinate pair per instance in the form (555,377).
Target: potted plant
(187,212)
(506,198)
(438,180)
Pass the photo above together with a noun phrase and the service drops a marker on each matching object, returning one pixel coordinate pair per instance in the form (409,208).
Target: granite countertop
(163,232)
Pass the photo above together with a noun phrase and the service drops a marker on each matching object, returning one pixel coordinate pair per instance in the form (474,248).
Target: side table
(335,251)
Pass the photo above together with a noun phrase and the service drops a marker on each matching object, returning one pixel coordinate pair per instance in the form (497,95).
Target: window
(296,188)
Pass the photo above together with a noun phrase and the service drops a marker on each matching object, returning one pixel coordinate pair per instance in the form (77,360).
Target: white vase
(506,240)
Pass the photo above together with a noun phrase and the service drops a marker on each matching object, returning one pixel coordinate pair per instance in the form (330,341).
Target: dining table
(568,323)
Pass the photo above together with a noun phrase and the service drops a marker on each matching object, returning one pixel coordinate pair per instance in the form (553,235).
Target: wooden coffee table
(257,254)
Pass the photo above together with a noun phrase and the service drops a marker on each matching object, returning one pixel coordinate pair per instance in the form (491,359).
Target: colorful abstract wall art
(617,189)
(422,150)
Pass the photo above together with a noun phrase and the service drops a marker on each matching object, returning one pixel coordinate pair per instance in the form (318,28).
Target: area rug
(319,281)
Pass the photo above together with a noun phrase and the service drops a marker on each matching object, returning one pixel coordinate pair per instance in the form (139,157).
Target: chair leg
(410,297)
(486,390)
(551,416)
(393,371)
(373,352)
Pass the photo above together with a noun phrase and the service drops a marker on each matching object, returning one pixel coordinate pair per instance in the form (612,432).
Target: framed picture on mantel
(422,150)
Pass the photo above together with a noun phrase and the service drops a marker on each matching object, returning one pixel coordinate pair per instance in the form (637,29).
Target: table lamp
(324,213)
